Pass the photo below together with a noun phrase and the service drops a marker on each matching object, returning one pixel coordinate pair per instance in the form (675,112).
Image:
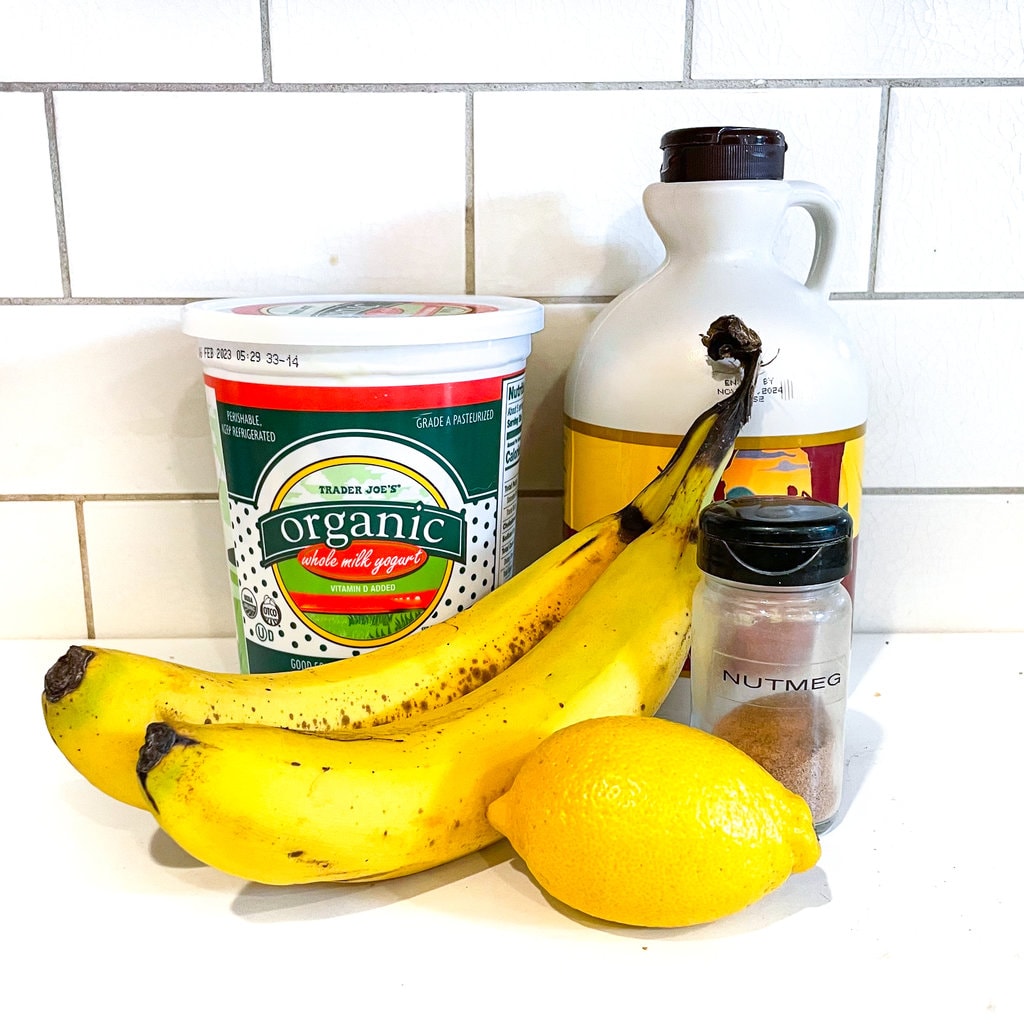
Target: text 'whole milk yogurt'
(367,451)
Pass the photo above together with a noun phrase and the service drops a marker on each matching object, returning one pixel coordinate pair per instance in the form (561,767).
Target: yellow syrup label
(605,468)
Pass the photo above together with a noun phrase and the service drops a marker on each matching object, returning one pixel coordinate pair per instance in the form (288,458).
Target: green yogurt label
(356,515)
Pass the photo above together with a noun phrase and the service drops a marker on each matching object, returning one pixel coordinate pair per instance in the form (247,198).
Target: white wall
(156,151)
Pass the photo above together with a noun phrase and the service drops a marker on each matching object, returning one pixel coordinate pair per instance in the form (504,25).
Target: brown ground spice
(791,737)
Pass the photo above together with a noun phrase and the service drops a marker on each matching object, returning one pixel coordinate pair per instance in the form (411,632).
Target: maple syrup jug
(641,375)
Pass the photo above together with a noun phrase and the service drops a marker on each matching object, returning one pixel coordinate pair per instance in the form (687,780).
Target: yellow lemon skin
(642,821)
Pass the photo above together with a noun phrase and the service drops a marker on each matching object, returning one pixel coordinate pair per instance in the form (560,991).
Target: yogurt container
(367,451)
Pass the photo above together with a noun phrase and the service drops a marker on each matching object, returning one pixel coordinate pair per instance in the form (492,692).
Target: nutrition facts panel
(508,483)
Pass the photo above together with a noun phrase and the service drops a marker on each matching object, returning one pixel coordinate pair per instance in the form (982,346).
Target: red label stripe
(306,398)
(363,604)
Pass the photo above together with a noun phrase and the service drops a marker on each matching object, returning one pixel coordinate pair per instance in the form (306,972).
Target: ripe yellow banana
(97,702)
(280,806)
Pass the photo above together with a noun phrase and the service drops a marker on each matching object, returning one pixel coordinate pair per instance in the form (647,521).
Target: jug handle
(824,211)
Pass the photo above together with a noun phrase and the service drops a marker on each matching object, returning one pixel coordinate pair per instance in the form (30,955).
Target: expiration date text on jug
(766,388)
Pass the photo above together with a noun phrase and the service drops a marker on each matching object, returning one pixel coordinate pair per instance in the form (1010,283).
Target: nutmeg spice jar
(772,630)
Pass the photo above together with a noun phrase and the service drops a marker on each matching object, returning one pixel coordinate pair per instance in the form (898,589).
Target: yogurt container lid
(362,320)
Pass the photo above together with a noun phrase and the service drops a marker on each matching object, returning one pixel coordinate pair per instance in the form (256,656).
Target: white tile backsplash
(553,349)
(857,39)
(158,568)
(29,250)
(940,415)
(470,41)
(538,528)
(241,147)
(42,569)
(940,562)
(102,400)
(170,194)
(560,177)
(131,41)
(954,191)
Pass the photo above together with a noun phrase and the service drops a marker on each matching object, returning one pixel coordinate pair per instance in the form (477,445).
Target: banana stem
(727,339)
(730,339)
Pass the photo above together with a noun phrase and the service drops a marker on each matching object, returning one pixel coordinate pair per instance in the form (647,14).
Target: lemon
(647,822)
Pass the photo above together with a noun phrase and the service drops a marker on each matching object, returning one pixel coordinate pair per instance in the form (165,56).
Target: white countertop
(914,911)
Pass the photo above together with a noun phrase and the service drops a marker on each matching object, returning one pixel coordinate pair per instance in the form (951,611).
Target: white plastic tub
(368,454)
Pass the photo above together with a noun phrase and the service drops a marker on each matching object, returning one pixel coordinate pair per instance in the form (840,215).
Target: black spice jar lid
(775,540)
(722,154)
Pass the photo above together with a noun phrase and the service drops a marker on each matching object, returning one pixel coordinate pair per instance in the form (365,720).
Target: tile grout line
(551,300)
(58,193)
(267,59)
(124,496)
(880,156)
(922,296)
(470,200)
(757,84)
(941,492)
(83,554)
(688,19)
